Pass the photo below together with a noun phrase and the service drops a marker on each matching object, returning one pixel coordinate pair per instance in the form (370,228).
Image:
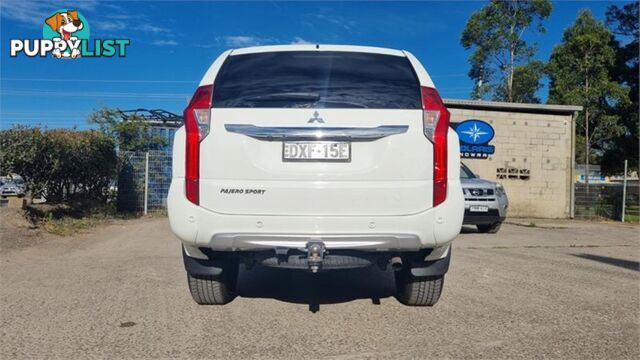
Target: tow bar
(315,255)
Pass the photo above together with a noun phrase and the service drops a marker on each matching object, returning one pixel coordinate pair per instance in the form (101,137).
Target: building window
(513,173)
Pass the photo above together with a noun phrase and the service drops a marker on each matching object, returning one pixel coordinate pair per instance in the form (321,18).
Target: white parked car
(316,157)
(12,185)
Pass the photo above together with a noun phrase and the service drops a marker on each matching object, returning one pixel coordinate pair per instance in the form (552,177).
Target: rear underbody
(315,257)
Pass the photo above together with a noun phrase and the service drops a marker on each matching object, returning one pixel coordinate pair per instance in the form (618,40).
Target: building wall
(537,144)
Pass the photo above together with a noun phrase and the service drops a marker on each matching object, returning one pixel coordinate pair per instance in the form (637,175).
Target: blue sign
(474,139)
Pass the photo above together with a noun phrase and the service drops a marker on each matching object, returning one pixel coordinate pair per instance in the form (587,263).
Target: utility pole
(586,162)
(624,190)
(146,182)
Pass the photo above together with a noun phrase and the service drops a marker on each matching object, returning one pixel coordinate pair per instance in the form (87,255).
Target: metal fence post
(146,181)
(624,190)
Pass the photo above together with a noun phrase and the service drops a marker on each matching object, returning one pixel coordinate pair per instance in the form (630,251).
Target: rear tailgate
(388,176)
(370,101)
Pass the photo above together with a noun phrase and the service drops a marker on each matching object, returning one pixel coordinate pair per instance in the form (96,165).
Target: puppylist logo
(65,35)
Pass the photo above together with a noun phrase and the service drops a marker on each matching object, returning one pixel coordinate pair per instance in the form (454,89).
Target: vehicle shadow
(302,287)
(626,264)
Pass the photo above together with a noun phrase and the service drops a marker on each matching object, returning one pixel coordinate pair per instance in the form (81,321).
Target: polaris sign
(474,139)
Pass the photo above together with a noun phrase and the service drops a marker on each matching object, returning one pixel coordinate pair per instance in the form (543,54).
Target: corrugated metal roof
(505,106)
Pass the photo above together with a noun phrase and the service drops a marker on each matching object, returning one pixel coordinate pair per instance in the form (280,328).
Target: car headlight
(499,189)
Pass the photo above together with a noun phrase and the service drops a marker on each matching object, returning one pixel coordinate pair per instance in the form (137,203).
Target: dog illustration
(65,23)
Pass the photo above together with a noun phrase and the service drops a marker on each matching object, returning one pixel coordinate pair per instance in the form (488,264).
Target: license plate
(316,151)
(479,208)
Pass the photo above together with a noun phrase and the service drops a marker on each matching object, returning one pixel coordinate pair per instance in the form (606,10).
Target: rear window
(310,79)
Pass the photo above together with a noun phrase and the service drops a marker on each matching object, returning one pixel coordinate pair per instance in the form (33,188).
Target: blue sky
(174,42)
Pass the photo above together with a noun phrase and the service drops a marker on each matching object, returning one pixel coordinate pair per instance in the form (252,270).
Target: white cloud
(206,46)
(242,40)
(109,25)
(237,41)
(298,40)
(165,43)
(334,19)
(105,18)
(33,12)
(152,29)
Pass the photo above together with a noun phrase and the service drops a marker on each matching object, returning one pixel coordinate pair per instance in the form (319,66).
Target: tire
(418,291)
(489,228)
(214,290)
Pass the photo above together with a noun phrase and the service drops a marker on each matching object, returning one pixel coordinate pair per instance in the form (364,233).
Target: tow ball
(315,255)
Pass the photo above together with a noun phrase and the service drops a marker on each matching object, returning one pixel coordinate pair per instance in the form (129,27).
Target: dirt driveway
(524,293)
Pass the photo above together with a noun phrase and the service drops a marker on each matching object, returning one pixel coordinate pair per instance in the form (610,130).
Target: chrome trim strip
(316,133)
(256,241)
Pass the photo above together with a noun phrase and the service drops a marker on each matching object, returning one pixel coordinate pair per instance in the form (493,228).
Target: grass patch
(68,226)
(634,218)
(70,219)
(632,214)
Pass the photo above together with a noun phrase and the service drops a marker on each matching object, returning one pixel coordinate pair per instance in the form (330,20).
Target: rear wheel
(489,228)
(418,291)
(214,290)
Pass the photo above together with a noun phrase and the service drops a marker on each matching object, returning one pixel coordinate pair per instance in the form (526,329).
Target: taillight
(197,122)
(435,119)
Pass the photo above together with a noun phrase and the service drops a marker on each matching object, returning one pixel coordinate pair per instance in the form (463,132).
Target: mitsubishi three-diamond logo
(316,118)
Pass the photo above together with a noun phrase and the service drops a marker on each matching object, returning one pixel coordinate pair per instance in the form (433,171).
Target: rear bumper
(198,227)
(373,242)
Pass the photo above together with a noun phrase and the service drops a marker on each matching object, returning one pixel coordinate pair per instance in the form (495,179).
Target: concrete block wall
(540,143)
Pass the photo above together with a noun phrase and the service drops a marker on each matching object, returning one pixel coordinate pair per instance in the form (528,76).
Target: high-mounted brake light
(197,122)
(435,119)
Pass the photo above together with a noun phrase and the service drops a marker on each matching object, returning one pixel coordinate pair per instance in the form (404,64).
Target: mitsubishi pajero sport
(316,157)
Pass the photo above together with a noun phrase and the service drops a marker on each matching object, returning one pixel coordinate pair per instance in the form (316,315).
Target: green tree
(624,23)
(500,63)
(133,134)
(525,84)
(580,73)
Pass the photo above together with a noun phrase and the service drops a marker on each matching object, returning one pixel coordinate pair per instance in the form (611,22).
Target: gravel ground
(571,291)
(17,232)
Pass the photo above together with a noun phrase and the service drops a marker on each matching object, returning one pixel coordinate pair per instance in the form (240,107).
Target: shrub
(59,164)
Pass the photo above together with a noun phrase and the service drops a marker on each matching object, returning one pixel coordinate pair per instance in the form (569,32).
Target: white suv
(316,157)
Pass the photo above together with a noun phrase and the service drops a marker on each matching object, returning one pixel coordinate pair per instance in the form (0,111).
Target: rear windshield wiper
(289,96)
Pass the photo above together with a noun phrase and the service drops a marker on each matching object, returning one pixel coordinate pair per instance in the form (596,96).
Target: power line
(456,88)
(104,94)
(448,75)
(154,81)
(103,80)
(48,112)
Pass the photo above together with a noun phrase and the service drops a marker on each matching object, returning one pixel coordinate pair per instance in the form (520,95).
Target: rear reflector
(435,119)
(197,123)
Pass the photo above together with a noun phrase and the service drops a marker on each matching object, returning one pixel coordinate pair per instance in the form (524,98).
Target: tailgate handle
(316,133)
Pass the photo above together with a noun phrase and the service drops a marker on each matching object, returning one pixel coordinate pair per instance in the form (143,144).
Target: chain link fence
(143,181)
(604,200)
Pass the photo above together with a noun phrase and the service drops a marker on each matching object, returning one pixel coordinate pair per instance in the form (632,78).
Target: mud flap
(431,268)
(201,267)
